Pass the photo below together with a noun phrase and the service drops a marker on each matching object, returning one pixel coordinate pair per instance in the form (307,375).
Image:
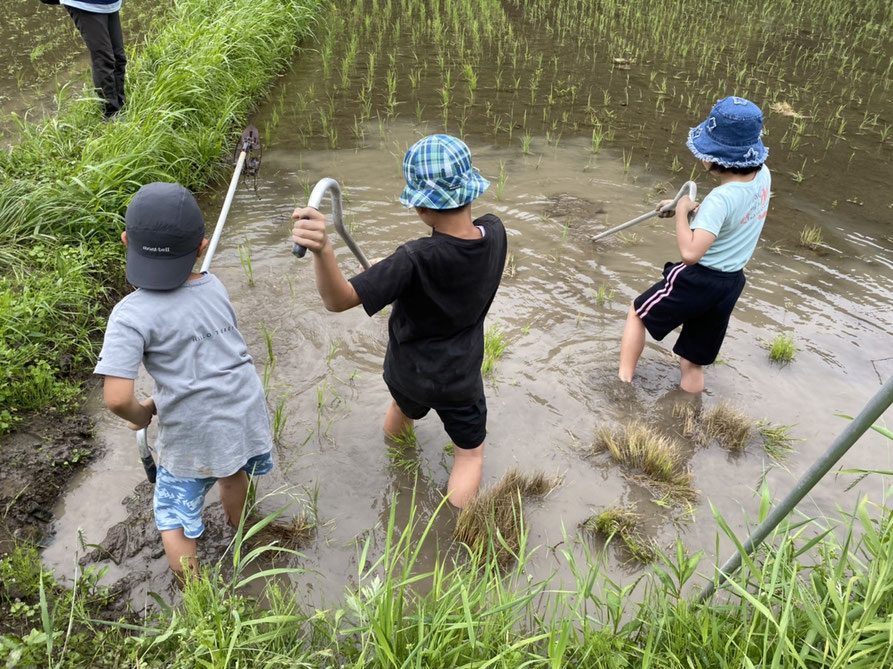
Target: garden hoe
(322,186)
(247,157)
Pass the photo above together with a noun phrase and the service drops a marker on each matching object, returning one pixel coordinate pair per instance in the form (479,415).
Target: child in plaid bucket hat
(700,291)
(441,287)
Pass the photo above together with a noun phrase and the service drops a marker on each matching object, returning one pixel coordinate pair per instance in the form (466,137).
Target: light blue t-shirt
(102,7)
(212,413)
(735,213)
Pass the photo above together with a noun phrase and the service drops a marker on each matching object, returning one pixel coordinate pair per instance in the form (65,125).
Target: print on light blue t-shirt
(735,213)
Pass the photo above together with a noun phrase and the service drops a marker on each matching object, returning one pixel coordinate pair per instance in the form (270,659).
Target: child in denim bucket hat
(213,424)
(441,288)
(700,292)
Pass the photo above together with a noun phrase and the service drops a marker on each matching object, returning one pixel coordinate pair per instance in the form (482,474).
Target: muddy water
(557,380)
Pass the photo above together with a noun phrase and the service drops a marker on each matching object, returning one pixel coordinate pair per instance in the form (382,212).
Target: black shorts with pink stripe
(699,299)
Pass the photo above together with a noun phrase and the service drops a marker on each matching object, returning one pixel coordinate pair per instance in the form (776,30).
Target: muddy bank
(36,464)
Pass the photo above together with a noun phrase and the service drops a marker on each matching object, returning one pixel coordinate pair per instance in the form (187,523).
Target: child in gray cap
(213,424)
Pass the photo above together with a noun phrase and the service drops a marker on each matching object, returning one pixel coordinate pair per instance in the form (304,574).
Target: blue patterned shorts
(178,502)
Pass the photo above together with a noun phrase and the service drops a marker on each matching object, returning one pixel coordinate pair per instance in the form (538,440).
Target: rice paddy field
(577,112)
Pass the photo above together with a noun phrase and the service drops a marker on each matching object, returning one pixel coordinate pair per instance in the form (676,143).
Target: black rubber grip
(298,250)
(149,466)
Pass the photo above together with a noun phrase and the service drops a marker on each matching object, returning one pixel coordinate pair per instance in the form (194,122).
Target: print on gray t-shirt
(212,414)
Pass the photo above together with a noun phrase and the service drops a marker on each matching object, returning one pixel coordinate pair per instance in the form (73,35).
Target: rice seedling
(510,267)
(811,237)
(494,515)
(603,295)
(402,450)
(646,451)
(526,138)
(628,238)
(500,180)
(782,349)
(280,418)
(622,521)
(245,260)
(495,344)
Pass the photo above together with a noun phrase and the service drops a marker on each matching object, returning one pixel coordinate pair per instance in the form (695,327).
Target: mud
(36,464)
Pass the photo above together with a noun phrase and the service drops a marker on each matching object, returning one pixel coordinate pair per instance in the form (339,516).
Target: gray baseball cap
(165,228)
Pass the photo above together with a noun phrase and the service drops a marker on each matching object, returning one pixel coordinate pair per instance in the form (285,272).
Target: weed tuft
(622,521)
(782,349)
(495,513)
(811,237)
(494,346)
(643,449)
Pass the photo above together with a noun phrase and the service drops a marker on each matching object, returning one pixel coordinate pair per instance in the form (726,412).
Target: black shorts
(699,299)
(466,425)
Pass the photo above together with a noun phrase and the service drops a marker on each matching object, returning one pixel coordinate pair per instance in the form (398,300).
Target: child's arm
(310,231)
(693,244)
(120,400)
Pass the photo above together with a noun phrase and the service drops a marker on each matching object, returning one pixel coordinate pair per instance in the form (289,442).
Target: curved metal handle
(334,189)
(142,443)
(692,188)
(692,195)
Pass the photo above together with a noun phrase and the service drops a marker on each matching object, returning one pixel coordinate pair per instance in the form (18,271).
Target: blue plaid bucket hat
(439,174)
(731,135)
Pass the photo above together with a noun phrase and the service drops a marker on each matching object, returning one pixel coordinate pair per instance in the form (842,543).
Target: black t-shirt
(442,287)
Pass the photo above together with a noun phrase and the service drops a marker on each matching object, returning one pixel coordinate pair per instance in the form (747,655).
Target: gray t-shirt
(212,414)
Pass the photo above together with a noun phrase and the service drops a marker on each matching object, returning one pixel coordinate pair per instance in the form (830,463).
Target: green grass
(782,349)
(816,595)
(403,452)
(495,344)
(777,440)
(66,183)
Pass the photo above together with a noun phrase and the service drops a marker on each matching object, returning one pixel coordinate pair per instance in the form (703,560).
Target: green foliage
(495,344)
(782,349)
(64,187)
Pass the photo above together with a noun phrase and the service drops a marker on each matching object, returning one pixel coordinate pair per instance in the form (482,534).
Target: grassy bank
(64,187)
(785,608)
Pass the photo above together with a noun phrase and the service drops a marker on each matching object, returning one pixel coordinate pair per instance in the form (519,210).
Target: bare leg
(465,479)
(631,345)
(233,492)
(395,423)
(180,551)
(692,376)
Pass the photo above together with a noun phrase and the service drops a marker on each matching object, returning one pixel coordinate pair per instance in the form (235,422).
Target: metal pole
(227,203)
(857,427)
(334,189)
(692,188)
(248,143)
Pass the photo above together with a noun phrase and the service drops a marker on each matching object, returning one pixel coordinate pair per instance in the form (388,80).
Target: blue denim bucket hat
(439,174)
(731,135)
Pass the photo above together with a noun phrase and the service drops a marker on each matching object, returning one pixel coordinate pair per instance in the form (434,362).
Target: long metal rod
(689,186)
(227,203)
(248,142)
(857,427)
(332,187)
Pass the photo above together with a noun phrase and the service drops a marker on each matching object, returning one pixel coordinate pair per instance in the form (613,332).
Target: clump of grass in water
(811,237)
(494,514)
(622,521)
(494,346)
(730,427)
(643,449)
(603,295)
(777,440)
(782,349)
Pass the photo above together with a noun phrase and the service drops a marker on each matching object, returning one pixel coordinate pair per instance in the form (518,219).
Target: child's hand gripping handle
(142,443)
(331,186)
(314,201)
(692,189)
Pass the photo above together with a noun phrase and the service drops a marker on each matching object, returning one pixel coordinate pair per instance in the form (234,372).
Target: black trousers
(103,37)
